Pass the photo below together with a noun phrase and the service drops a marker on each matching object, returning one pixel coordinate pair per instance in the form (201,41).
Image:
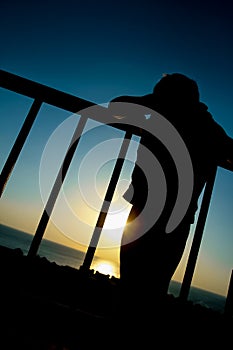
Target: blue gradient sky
(99,50)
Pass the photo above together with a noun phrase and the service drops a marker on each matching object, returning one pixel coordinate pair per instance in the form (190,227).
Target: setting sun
(105,268)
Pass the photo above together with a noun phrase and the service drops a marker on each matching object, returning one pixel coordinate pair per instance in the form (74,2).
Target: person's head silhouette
(176,89)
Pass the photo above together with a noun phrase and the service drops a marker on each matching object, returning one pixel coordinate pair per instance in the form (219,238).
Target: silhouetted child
(149,255)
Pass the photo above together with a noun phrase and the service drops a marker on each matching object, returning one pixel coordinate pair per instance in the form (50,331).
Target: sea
(66,256)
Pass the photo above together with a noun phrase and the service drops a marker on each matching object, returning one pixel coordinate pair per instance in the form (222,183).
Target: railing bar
(106,203)
(189,271)
(47,94)
(18,145)
(56,188)
(228,309)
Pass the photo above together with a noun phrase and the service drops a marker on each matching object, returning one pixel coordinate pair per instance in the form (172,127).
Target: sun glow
(116,220)
(113,228)
(105,268)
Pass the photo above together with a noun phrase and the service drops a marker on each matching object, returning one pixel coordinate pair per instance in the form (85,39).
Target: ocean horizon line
(80,251)
(65,255)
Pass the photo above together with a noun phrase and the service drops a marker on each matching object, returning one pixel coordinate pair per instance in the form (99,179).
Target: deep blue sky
(99,50)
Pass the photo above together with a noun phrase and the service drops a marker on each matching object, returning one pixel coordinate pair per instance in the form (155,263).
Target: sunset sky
(97,51)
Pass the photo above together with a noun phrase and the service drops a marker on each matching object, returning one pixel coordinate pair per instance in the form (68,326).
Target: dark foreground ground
(46,306)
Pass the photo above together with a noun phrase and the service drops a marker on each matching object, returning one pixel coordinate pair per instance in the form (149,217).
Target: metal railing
(44,94)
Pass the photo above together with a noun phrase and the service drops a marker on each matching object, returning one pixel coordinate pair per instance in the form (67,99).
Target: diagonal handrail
(42,92)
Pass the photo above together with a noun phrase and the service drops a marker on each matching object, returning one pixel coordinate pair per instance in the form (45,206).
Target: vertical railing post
(106,203)
(56,188)
(18,145)
(228,310)
(185,287)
